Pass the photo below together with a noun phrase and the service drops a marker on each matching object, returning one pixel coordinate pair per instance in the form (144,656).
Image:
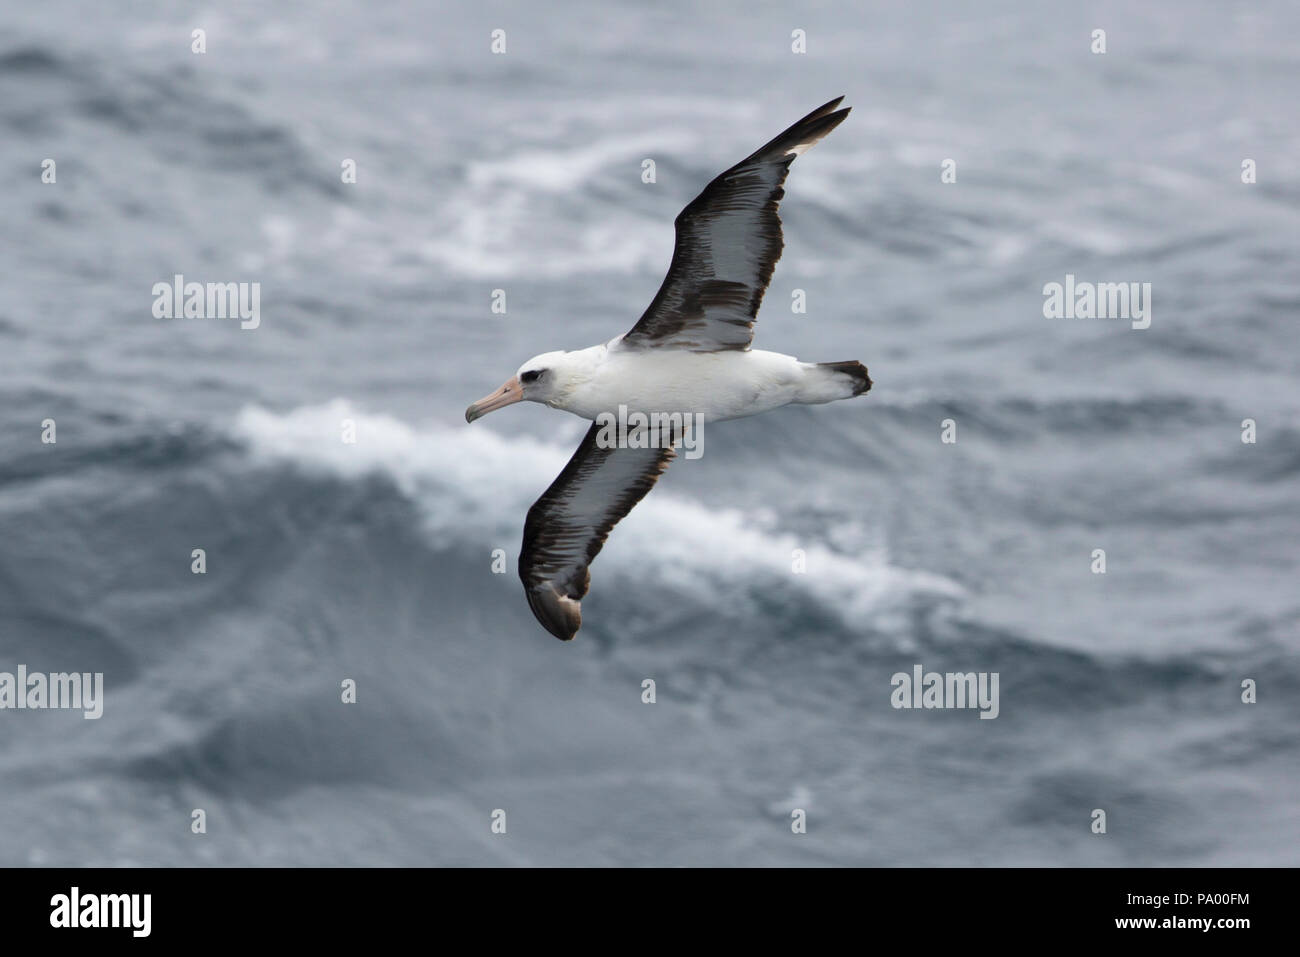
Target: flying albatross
(688,354)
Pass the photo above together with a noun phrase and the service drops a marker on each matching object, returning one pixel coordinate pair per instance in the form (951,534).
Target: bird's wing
(728,242)
(567,526)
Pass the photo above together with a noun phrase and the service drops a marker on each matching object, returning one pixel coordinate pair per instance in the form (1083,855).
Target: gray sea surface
(372,561)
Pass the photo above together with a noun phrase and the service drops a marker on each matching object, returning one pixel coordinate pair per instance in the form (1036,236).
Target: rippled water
(522,172)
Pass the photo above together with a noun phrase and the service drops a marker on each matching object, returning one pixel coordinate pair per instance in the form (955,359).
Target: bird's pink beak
(508,394)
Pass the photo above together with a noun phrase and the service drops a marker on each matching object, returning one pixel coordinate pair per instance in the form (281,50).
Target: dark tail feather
(854,370)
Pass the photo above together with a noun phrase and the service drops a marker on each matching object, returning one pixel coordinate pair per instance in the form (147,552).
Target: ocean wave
(562,170)
(1024,418)
(161,448)
(475,486)
(174,112)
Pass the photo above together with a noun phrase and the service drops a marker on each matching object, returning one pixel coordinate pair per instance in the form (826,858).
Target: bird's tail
(852,375)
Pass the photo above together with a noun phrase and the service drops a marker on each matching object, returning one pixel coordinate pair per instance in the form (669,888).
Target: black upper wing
(728,242)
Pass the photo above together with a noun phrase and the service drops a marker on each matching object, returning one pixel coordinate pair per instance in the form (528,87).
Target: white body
(719,385)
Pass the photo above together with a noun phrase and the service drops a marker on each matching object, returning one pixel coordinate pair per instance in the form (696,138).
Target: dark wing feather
(567,526)
(728,242)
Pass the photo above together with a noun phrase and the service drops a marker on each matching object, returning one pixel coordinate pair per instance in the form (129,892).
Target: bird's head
(546,378)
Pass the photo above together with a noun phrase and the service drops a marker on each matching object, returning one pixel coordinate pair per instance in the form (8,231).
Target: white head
(547,378)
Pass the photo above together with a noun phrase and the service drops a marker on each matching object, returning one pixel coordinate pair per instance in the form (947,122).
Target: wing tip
(817,131)
(802,135)
(826,108)
(558,614)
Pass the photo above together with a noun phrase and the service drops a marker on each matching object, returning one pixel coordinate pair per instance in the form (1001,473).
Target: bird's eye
(530,376)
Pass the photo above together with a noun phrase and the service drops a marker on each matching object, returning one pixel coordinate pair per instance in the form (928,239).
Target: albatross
(688,354)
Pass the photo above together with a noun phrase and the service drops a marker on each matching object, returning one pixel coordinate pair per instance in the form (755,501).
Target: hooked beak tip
(508,394)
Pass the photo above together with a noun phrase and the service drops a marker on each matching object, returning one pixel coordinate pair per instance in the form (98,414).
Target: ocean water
(372,561)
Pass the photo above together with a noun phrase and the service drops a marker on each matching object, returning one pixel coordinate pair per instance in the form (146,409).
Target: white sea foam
(562,170)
